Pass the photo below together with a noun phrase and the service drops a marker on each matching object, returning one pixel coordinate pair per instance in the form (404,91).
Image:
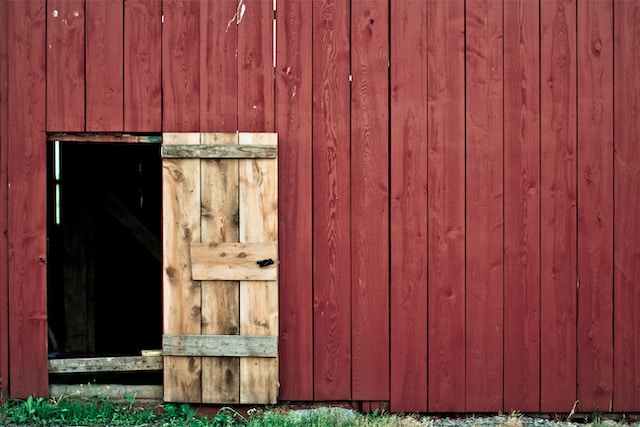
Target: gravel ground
(514,420)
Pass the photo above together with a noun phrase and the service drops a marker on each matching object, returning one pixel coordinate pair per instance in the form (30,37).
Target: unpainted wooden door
(220,267)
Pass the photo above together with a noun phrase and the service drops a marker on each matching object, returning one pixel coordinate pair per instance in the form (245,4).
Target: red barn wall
(460,181)
(4,257)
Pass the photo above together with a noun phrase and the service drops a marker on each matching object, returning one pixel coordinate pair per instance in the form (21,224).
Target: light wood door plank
(220,299)
(182,307)
(259,299)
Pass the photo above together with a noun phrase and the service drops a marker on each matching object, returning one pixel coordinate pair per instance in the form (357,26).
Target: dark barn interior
(104,250)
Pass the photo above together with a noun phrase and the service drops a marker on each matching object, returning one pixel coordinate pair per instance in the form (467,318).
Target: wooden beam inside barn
(105,364)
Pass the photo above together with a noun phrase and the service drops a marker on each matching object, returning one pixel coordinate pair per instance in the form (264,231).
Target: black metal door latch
(265,262)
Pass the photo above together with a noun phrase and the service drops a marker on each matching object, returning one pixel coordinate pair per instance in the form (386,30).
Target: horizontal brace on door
(219,345)
(219,151)
(234,261)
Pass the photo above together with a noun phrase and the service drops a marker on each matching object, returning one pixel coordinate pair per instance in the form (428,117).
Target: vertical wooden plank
(331,202)
(65,65)
(4,254)
(408,206)
(293,124)
(521,206)
(626,382)
(259,299)
(484,199)
(218,66)
(218,112)
(256,113)
(181,295)
(256,103)
(446,203)
(220,299)
(27,199)
(180,66)
(558,209)
(370,200)
(104,65)
(142,66)
(595,205)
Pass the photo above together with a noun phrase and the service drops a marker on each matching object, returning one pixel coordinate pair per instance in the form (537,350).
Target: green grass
(101,411)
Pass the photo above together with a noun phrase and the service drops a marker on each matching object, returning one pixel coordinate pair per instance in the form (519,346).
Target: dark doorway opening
(104,250)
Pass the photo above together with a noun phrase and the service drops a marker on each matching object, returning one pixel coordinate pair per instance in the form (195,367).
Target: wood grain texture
(259,299)
(220,345)
(558,206)
(484,206)
(105,364)
(181,295)
(220,151)
(256,97)
(521,206)
(180,66)
(218,66)
(142,66)
(256,113)
(595,205)
(331,202)
(107,391)
(446,203)
(370,200)
(626,381)
(220,299)
(26,159)
(104,65)
(294,127)
(65,65)
(4,249)
(221,315)
(219,112)
(234,261)
(408,206)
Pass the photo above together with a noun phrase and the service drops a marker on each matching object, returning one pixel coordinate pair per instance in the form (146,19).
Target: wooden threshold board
(111,391)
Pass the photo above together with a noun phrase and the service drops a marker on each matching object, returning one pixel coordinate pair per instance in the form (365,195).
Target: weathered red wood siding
(521,206)
(460,182)
(626,190)
(142,99)
(369,200)
(595,205)
(26,225)
(408,207)
(331,201)
(445,206)
(4,256)
(484,206)
(558,205)
(65,63)
(104,69)
(294,87)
